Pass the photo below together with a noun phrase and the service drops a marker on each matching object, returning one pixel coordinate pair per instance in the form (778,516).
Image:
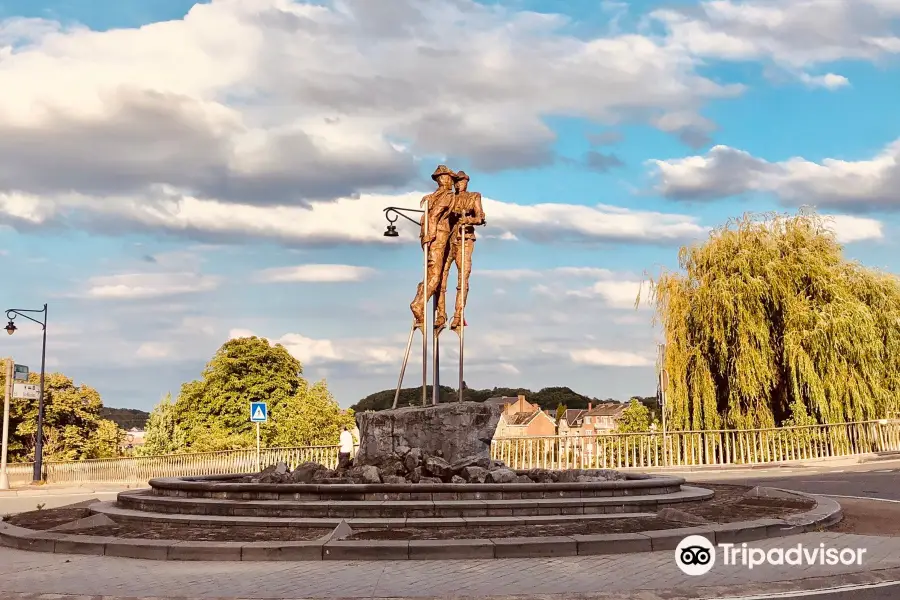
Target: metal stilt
(462,311)
(409,342)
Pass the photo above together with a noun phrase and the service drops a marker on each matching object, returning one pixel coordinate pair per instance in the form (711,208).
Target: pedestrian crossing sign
(258,412)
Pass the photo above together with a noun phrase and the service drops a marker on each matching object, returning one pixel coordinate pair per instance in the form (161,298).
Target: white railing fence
(141,469)
(695,448)
(604,451)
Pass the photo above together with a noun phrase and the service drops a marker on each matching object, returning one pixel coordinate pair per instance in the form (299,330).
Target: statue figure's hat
(442,170)
(461,176)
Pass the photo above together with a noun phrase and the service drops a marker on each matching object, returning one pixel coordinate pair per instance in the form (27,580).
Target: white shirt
(346,442)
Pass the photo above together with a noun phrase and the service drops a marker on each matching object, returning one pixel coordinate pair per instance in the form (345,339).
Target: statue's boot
(455,323)
(440,321)
(416,307)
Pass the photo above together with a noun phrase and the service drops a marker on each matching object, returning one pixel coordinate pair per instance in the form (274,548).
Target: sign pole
(4,476)
(259,413)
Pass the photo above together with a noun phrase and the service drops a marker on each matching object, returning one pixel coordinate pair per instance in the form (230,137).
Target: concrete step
(117,513)
(395,509)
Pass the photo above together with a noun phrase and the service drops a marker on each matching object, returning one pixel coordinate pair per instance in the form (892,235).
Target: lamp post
(11,328)
(9,369)
(392,214)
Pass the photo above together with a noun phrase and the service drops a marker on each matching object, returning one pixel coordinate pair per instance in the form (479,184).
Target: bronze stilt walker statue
(447,234)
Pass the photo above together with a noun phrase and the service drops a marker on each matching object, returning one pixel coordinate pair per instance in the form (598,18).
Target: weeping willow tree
(767,324)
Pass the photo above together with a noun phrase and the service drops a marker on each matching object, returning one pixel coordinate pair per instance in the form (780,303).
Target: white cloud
(347,220)
(849,229)
(597,357)
(316,274)
(547,222)
(615,294)
(855,185)
(154,350)
(319,352)
(520,274)
(135,286)
(794,34)
(829,81)
(281,102)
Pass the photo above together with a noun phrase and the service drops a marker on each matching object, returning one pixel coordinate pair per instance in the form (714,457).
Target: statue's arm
(478,218)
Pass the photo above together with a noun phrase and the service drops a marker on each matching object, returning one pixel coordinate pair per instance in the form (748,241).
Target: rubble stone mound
(412,465)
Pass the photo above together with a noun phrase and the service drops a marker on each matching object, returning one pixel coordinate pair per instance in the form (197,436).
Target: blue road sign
(259,413)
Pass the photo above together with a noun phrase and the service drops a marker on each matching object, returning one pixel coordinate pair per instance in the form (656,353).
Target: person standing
(346,449)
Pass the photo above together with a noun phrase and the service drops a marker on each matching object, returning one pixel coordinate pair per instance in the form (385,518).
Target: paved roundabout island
(414,524)
(653,575)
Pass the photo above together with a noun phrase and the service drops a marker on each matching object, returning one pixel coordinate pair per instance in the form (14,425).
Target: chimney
(589,405)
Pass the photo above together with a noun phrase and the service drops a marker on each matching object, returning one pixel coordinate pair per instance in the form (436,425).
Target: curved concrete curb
(827,512)
(443,506)
(224,487)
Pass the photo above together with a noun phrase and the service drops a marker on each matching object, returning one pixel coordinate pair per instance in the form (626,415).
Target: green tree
(767,323)
(547,398)
(311,417)
(560,412)
(213,412)
(73,427)
(105,441)
(635,418)
(163,435)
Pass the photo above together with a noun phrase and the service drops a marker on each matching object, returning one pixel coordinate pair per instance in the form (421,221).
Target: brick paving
(24,575)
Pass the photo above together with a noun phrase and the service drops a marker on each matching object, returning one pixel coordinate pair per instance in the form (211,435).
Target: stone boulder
(306,472)
(501,475)
(454,431)
(438,467)
(474,474)
(364,474)
(679,516)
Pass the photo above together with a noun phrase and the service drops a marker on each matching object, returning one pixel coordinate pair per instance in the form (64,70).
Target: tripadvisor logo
(696,555)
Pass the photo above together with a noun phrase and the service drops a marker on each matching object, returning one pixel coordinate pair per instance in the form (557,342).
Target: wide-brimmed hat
(442,170)
(461,176)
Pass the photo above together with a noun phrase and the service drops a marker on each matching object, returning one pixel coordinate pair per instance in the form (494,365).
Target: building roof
(522,418)
(572,415)
(501,400)
(606,410)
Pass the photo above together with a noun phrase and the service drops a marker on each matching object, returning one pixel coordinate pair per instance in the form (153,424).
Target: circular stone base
(332,547)
(220,496)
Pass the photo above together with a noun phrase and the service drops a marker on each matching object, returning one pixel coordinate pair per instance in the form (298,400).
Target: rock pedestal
(453,431)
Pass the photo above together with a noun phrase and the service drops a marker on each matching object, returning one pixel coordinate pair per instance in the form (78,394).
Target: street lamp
(11,328)
(392,214)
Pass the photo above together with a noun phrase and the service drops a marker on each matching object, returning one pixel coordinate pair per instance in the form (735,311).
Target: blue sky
(174,175)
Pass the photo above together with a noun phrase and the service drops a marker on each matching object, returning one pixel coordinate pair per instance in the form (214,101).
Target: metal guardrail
(603,451)
(696,448)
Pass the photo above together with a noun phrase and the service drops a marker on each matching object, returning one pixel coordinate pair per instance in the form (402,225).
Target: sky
(173,175)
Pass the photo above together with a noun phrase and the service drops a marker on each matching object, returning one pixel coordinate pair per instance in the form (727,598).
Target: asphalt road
(12,503)
(876,480)
(879,480)
(890,592)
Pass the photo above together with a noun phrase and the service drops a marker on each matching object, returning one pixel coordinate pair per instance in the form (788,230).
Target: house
(570,422)
(521,418)
(134,438)
(599,419)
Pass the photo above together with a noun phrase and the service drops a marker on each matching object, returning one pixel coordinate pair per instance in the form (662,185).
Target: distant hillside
(126,418)
(547,398)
